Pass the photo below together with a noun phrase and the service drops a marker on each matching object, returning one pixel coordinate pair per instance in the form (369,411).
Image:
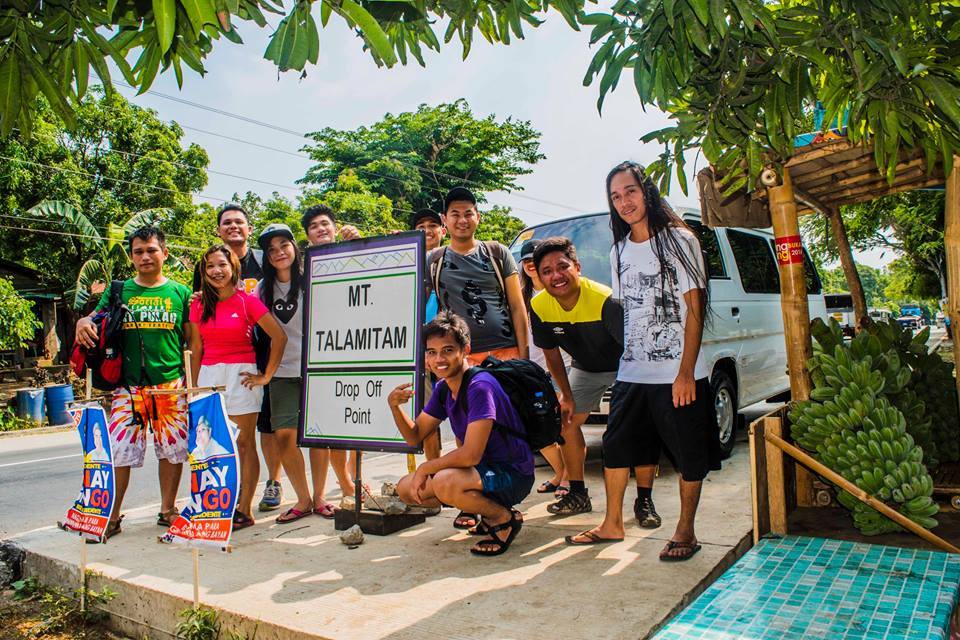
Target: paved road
(40,477)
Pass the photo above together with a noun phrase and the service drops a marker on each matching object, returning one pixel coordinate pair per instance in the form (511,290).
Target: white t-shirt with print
(655,312)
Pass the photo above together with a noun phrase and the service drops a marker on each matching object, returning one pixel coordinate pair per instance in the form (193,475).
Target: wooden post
(411,463)
(951,241)
(194,552)
(776,478)
(854,285)
(758,481)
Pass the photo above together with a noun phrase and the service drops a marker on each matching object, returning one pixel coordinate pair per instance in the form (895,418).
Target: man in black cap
(430,222)
(478,281)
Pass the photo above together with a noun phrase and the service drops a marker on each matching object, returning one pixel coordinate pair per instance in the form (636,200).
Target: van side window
(711,249)
(754,258)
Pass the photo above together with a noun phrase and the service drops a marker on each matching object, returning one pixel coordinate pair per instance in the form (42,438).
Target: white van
(743,341)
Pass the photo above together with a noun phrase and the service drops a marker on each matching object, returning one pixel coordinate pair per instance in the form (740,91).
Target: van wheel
(725,403)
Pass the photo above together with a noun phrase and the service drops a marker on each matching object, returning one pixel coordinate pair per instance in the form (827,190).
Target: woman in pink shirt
(221,340)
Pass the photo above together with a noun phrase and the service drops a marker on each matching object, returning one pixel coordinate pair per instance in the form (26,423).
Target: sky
(539,79)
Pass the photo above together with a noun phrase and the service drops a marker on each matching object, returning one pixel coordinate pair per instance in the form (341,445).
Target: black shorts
(264,424)
(503,484)
(643,422)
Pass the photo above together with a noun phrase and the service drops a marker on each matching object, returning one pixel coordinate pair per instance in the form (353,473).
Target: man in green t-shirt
(154,332)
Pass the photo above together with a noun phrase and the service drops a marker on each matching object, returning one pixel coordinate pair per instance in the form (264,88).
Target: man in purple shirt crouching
(491,470)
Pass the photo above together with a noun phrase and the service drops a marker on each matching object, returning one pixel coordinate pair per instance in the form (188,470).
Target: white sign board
(361,338)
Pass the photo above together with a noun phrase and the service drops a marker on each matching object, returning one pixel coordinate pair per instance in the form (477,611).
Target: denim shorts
(504,484)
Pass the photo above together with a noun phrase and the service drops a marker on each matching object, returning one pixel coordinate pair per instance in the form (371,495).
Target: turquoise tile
(799,587)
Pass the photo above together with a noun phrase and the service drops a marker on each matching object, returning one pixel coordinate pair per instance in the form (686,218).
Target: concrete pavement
(297,580)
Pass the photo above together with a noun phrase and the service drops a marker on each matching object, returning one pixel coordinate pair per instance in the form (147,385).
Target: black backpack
(531,393)
(105,360)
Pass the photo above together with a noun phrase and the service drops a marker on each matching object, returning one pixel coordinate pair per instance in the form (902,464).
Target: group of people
(640,339)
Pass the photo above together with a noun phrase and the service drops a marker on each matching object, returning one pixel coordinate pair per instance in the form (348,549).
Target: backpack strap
(257,256)
(497,259)
(436,266)
(116,293)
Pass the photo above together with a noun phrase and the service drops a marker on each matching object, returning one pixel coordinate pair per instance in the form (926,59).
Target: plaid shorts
(132,412)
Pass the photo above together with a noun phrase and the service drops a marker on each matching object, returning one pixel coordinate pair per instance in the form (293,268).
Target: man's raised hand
(401,395)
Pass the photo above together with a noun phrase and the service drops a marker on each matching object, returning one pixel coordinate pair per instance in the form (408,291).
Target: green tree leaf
(372,31)
(9,93)
(165,17)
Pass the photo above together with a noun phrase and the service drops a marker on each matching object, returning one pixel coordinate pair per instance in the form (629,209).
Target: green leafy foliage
(60,611)
(498,224)
(882,411)
(908,224)
(737,75)
(414,158)
(50,48)
(119,159)
(18,323)
(199,623)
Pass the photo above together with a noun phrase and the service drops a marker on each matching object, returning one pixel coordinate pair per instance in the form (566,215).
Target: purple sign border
(345,248)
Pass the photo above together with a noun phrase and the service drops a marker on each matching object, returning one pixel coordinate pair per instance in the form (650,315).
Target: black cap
(273,230)
(232,206)
(458,194)
(527,249)
(424,214)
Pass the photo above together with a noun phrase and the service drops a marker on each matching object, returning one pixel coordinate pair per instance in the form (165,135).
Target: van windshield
(591,236)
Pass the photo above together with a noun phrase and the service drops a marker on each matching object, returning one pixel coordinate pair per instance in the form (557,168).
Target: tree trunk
(854,286)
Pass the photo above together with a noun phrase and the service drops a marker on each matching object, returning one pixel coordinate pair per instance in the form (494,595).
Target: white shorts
(238,399)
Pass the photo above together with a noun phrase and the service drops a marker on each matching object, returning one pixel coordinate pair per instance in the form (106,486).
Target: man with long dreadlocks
(662,398)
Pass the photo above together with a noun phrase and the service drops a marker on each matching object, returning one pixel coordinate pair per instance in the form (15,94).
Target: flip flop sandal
(326,511)
(689,550)
(242,521)
(472,520)
(291,514)
(547,487)
(501,545)
(166,518)
(591,537)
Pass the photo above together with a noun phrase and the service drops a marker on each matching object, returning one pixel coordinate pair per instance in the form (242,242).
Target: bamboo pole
(854,285)
(834,477)
(793,286)
(951,241)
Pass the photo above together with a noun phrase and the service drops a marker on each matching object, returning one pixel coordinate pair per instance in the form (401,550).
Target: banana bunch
(854,423)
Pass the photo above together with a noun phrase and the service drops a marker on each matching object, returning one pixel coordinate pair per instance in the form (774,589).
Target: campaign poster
(364,310)
(214,477)
(90,514)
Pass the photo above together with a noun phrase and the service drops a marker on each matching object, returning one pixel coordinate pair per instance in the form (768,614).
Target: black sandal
(479,530)
(463,515)
(514,524)
(113,528)
(242,521)
(166,518)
